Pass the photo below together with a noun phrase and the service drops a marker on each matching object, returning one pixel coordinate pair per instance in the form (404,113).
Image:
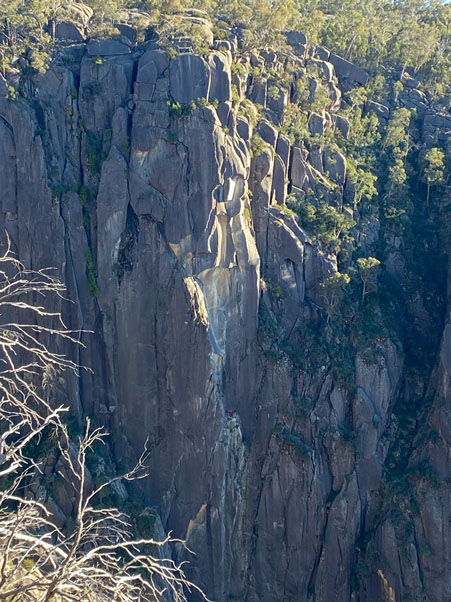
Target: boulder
(69,31)
(335,165)
(341,124)
(258,92)
(316,124)
(322,53)
(381,110)
(277,103)
(224,110)
(324,69)
(295,37)
(243,129)
(158,57)
(316,158)
(82,12)
(107,48)
(270,57)
(298,175)
(267,132)
(223,44)
(344,68)
(335,96)
(129,32)
(408,81)
(220,88)
(202,24)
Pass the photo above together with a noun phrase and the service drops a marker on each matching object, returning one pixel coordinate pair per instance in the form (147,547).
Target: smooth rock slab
(267,132)
(344,68)
(335,165)
(106,48)
(65,30)
(189,78)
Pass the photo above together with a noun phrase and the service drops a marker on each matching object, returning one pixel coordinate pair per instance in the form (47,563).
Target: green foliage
(294,124)
(292,440)
(433,168)
(91,274)
(145,524)
(326,223)
(369,271)
(363,183)
(94,152)
(28,564)
(334,291)
(258,145)
(273,92)
(91,90)
(285,210)
(178,110)
(235,95)
(397,137)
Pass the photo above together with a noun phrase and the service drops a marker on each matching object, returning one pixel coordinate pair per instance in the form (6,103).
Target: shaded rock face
(115,173)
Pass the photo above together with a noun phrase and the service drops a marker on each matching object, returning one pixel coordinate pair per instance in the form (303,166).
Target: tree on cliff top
(97,560)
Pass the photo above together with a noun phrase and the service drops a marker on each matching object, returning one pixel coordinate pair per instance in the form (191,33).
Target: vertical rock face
(133,176)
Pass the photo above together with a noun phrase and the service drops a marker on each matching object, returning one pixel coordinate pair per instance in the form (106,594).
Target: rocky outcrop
(131,172)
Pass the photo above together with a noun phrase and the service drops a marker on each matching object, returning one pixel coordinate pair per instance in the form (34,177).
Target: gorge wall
(156,183)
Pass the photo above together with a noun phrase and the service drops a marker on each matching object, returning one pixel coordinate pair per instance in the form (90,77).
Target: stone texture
(220,77)
(295,37)
(107,48)
(272,473)
(66,30)
(279,186)
(316,124)
(344,68)
(341,124)
(335,165)
(267,132)
(381,111)
(189,78)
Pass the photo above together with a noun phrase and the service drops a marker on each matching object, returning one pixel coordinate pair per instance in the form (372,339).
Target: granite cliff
(157,183)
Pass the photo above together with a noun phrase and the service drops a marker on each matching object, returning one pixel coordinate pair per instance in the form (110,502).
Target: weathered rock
(335,165)
(279,186)
(267,132)
(298,173)
(129,32)
(107,48)
(189,78)
(342,124)
(315,158)
(67,30)
(324,69)
(409,81)
(220,77)
(381,111)
(295,37)
(173,264)
(344,68)
(335,96)
(283,150)
(322,53)
(243,129)
(316,124)
(258,92)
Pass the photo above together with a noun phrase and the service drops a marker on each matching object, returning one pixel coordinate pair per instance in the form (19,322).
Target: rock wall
(134,174)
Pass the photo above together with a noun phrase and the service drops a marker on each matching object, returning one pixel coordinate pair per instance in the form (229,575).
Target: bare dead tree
(100,560)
